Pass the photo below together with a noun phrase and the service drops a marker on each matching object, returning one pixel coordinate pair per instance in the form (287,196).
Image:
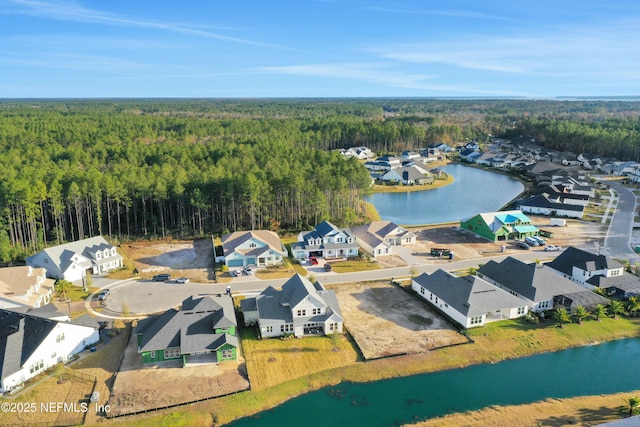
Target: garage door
(234,263)
(251,261)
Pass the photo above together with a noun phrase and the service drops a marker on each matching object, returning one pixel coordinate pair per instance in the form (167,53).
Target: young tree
(616,307)
(631,408)
(580,313)
(599,311)
(62,286)
(561,315)
(633,306)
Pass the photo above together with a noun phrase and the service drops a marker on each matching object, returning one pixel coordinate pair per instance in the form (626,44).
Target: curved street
(616,244)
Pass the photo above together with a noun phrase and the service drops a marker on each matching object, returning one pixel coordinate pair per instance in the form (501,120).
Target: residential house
(537,285)
(72,261)
(379,237)
(300,308)
(580,266)
(34,341)
(469,300)
(620,286)
(360,153)
(384,163)
(259,248)
(410,155)
(326,241)
(469,154)
(24,285)
(203,330)
(497,226)
(544,204)
(412,175)
(619,168)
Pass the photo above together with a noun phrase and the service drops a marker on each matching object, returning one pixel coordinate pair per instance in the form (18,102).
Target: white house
(300,308)
(260,248)
(468,300)
(24,285)
(30,344)
(72,261)
(378,238)
(326,241)
(580,266)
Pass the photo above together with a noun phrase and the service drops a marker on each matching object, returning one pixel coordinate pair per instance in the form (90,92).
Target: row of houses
(512,288)
(262,248)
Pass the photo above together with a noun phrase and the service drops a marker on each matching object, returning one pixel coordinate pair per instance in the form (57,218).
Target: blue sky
(319,48)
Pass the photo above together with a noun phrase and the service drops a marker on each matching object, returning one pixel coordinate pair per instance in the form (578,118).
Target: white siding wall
(444,307)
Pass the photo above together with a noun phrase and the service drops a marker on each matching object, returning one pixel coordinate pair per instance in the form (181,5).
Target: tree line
(131,168)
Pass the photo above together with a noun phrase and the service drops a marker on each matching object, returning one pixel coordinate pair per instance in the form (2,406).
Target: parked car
(182,280)
(313,260)
(552,248)
(237,273)
(161,277)
(523,245)
(540,240)
(103,294)
(531,241)
(328,267)
(247,270)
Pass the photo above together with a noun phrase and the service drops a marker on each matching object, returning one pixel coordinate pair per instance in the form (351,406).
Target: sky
(319,48)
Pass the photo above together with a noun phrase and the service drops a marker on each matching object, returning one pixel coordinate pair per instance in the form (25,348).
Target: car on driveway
(552,248)
(161,277)
(313,260)
(247,270)
(531,241)
(182,280)
(103,294)
(523,245)
(237,273)
(540,240)
(328,267)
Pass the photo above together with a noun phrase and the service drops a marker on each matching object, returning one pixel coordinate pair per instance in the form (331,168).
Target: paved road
(143,297)
(616,244)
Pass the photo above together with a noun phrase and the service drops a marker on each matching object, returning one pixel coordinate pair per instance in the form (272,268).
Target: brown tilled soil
(192,259)
(138,389)
(385,320)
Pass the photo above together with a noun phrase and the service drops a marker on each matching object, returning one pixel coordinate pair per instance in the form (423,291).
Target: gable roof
(469,295)
(191,328)
(61,255)
(543,201)
(232,241)
(574,257)
(534,282)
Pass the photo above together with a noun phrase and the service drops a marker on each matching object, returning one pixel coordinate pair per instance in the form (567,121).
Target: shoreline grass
(495,342)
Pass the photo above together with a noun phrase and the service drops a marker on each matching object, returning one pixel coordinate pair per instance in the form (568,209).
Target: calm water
(602,369)
(473,191)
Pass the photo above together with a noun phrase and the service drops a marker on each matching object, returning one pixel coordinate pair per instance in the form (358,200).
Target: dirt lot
(137,388)
(192,259)
(385,320)
(466,245)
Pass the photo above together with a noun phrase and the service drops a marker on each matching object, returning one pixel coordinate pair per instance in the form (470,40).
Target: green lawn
(350,266)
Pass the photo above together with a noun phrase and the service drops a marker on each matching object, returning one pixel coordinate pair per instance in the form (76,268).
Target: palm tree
(633,306)
(561,315)
(599,311)
(616,307)
(580,313)
(631,408)
(598,290)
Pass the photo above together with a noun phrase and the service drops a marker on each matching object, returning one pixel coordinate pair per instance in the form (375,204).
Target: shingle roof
(543,201)
(231,241)
(191,328)
(469,295)
(583,260)
(61,255)
(534,282)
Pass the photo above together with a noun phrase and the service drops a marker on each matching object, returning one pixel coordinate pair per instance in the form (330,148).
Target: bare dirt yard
(466,245)
(385,320)
(189,258)
(138,389)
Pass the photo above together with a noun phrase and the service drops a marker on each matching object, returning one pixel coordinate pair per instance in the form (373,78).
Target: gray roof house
(24,285)
(545,204)
(621,286)
(469,300)
(580,266)
(326,241)
(202,331)
(34,340)
(300,308)
(537,285)
(72,261)
(256,247)
(378,238)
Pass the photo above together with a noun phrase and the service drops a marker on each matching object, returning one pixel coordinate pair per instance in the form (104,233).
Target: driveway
(406,253)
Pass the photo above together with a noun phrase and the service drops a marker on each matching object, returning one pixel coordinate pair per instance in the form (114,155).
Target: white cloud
(68,11)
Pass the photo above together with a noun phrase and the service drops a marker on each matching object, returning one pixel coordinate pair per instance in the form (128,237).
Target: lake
(606,368)
(473,191)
